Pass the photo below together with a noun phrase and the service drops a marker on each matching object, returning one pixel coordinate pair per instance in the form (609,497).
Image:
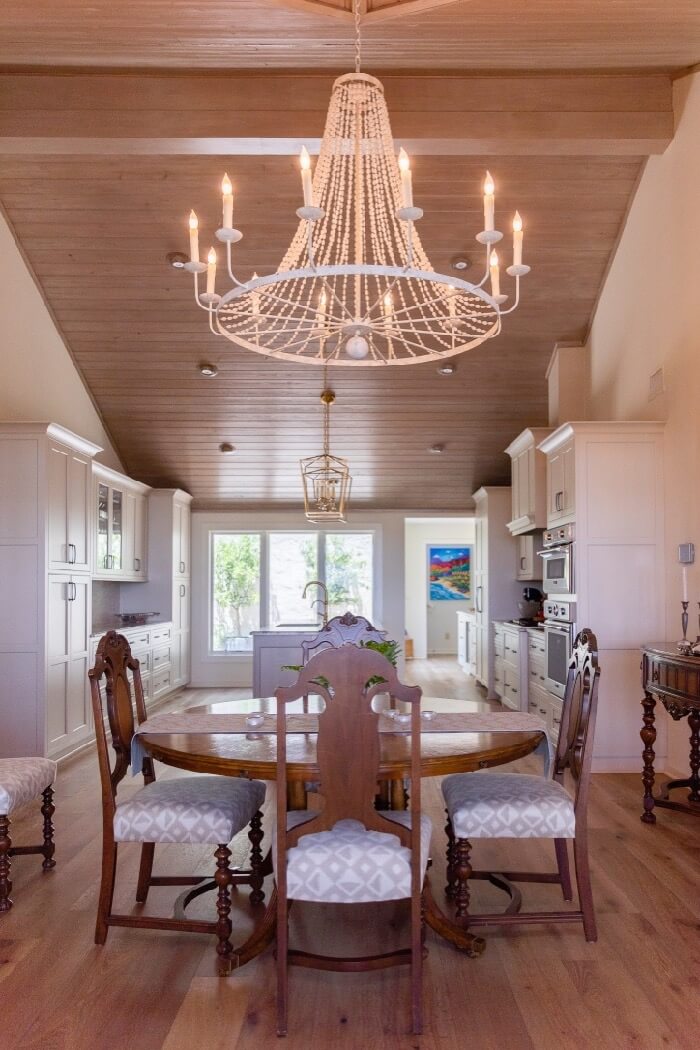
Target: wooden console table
(675,681)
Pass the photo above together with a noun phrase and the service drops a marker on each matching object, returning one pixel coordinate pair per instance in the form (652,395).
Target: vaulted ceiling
(100,165)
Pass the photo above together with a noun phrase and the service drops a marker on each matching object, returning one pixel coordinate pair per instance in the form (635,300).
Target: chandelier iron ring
(252,315)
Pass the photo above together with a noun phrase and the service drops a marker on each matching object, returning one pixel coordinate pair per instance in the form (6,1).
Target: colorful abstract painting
(450,573)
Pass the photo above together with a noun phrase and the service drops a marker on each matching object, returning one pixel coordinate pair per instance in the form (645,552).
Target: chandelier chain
(358,40)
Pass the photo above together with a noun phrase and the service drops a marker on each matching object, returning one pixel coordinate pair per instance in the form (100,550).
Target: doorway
(433,599)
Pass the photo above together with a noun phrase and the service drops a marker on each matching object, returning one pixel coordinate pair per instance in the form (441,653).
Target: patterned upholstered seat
(505,805)
(350,865)
(190,809)
(21,781)
(24,779)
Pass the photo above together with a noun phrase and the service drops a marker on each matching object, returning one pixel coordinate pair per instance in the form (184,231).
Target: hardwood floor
(540,987)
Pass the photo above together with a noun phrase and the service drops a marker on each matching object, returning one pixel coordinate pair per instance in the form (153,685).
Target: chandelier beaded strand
(356,287)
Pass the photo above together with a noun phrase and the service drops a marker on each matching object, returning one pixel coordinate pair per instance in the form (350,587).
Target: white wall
(236,669)
(441,619)
(649,318)
(38,380)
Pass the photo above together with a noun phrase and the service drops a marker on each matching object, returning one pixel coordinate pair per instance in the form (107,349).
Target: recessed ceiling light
(460,262)
(227,448)
(446,370)
(176,259)
(208,370)
(437,449)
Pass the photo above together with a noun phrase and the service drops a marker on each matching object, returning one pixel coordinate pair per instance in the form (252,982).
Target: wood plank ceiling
(97,174)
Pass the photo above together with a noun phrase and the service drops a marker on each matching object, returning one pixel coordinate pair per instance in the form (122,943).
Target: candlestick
(517,240)
(227,191)
(194,238)
(495,277)
(684,646)
(211,271)
(489,202)
(406,178)
(306,183)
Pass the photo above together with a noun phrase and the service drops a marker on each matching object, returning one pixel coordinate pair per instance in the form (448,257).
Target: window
(293,561)
(258,578)
(235,590)
(349,573)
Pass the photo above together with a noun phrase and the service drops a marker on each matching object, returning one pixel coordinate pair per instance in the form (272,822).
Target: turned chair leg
(5,846)
(583,883)
(562,852)
(223,878)
(463,871)
(47,811)
(257,878)
(145,871)
(104,907)
(451,857)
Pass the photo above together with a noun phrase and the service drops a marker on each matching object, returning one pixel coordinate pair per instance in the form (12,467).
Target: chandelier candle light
(356,286)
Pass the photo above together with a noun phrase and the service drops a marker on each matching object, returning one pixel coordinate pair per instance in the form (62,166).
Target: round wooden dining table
(254,755)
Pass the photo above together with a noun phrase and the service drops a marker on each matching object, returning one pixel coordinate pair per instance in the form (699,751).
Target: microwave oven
(558,561)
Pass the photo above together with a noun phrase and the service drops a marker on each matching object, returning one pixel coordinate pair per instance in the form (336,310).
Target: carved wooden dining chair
(193,809)
(21,781)
(341,630)
(349,852)
(517,805)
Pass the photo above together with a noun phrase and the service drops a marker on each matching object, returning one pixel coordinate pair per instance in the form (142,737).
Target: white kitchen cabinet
(528,482)
(181,537)
(181,659)
(120,526)
(611,477)
(68,630)
(466,641)
(45,625)
(68,508)
(496,592)
(561,492)
(136,535)
(528,565)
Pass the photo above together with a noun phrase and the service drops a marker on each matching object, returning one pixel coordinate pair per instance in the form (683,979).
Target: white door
(555,487)
(129,533)
(181,539)
(79,480)
(181,605)
(140,536)
(68,719)
(568,503)
(58,506)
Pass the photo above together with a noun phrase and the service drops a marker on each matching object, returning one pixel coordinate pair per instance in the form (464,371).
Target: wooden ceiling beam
(249,115)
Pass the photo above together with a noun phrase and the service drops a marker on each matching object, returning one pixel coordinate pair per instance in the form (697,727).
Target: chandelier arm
(211,325)
(487,271)
(196,294)
(504,313)
(241,284)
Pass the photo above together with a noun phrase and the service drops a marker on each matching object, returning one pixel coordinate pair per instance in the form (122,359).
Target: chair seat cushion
(23,779)
(189,809)
(350,865)
(509,806)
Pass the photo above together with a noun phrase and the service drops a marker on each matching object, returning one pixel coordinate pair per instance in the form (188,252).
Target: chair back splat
(339,631)
(575,745)
(113,661)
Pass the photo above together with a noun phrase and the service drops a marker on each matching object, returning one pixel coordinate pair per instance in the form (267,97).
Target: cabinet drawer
(138,639)
(145,659)
(499,643)
(498,677)
(161,634)
(161,657)
(161,683)
(536,675)
(535,645)
(511,688)
(539,703)
(554,722)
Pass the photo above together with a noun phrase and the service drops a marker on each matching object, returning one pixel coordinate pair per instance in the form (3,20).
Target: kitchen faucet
(323,601)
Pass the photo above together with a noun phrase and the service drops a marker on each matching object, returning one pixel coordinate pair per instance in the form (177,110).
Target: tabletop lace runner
(197,723)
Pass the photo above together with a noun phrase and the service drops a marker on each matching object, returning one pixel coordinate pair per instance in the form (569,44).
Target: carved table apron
(675,681)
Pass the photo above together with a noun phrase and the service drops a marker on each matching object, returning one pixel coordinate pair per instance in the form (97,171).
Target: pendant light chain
(358,41)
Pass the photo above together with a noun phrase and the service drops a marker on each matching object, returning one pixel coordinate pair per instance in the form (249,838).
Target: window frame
(264,590)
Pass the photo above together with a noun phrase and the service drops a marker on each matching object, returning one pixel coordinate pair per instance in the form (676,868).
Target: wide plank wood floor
(539,987)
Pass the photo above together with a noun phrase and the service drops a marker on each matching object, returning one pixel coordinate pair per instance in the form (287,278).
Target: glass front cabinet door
(109,552)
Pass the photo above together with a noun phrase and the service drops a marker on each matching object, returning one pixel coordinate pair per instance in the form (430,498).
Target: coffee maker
(530,608)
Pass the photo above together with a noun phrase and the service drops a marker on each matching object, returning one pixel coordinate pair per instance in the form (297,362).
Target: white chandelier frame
(356,277)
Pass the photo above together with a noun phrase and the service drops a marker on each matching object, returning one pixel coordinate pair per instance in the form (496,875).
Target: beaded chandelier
(356,286)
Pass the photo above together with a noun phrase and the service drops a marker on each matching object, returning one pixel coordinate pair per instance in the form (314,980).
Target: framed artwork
(449,573)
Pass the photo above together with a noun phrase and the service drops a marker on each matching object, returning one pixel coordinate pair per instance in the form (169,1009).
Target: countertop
(116,625)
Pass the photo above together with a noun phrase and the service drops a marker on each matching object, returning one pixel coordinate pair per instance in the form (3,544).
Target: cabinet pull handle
(183,590)
(523,560)
(137,564)
(182,567)
(72,591)
(559,500)
(72,553)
